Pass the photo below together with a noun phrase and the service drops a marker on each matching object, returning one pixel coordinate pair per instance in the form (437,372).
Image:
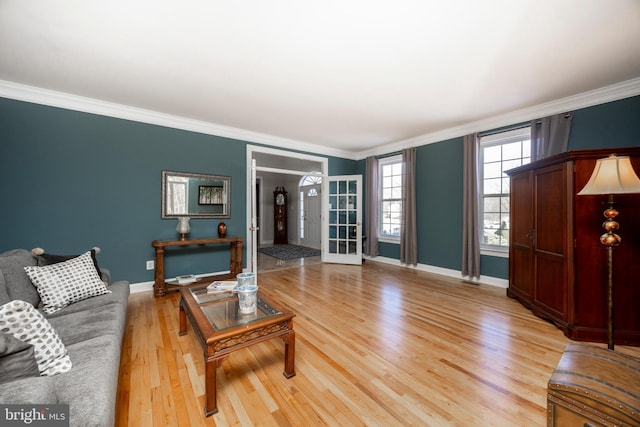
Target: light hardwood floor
(376,345)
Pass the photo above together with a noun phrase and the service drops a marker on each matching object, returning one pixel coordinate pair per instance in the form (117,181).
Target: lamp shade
(612,175)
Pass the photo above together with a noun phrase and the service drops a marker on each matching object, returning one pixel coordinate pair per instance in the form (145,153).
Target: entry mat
(289,251)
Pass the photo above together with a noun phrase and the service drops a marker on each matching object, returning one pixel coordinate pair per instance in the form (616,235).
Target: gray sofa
(92,331)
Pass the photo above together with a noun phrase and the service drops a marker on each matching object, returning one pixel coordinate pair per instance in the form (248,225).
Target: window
(499,153)
(390,179)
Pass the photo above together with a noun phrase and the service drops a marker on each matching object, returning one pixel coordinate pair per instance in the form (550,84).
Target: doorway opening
(276,168)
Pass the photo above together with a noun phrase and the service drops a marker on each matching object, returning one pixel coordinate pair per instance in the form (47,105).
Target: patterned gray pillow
(66,282)
(24,322)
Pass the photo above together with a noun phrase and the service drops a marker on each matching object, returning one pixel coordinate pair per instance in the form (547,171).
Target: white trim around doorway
(251,150)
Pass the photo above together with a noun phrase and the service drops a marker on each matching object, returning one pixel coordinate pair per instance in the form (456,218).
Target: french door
(342,229)
(252,248)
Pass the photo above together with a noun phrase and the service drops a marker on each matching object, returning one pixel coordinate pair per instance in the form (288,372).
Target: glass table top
(223,312)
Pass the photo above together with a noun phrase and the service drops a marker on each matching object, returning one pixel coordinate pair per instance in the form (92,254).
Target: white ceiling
(352,76)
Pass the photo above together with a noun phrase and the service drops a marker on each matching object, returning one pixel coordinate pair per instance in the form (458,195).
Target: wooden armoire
(557,265)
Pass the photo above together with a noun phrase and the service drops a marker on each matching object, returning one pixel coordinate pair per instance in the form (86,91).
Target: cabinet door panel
(551,210)
(550,290)
(550,213)
(520,282)
(520,257)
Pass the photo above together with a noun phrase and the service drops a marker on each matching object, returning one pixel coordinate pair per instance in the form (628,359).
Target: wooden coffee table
(222,330)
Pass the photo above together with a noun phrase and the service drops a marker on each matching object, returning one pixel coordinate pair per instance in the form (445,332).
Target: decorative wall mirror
(195,195)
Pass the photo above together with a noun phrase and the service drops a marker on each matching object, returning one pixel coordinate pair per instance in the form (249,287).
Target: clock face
(280,199)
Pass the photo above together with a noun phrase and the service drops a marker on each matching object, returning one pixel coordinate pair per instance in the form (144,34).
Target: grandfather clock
(280,217)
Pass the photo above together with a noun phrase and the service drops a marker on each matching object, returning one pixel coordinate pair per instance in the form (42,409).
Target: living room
(81,172)
(62,168)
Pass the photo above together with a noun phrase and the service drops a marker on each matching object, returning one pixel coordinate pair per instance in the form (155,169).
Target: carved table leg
(211,405)
(289,354)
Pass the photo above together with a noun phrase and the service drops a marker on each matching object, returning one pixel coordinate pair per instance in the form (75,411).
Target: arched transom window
(310,180)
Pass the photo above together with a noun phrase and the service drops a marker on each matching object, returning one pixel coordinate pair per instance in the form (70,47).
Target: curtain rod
(395,153)
(516,126)
(566,116)
(504,129)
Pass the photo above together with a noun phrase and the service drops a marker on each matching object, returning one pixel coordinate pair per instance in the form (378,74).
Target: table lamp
(183,228)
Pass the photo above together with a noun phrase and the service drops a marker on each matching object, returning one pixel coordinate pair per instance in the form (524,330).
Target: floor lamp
(612,175)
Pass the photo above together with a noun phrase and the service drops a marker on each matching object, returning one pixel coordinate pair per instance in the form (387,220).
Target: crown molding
(602,95)
(67,101)
(51,98)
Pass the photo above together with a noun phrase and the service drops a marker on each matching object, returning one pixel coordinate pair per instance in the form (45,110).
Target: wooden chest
(593,386)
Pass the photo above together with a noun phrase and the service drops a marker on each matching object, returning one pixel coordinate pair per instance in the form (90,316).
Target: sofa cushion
(17,359)
(30,390)
(106,319)
(94,378)
(119,294)
(66,282)
(24,322)
(18,285)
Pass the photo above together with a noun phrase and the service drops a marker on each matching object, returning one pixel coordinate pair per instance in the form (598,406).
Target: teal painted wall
(338,166)
(72,180)
(439,203)
(614,124)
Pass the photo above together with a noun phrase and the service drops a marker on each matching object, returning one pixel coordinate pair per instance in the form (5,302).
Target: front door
(342,229)
(311,214)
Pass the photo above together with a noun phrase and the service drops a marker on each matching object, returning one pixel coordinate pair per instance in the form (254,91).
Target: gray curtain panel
(372,209)
(408,228)
(550,135)
(470,220)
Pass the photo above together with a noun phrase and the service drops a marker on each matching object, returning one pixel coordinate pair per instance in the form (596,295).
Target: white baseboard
(483,280)
(140,287)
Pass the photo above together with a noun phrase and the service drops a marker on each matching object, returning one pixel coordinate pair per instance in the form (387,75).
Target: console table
(161,287)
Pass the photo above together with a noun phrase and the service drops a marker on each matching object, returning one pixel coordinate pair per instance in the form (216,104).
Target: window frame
(382,162)
(497,139)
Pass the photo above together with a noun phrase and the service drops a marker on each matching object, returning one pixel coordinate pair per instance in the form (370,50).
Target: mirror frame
(226,192)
